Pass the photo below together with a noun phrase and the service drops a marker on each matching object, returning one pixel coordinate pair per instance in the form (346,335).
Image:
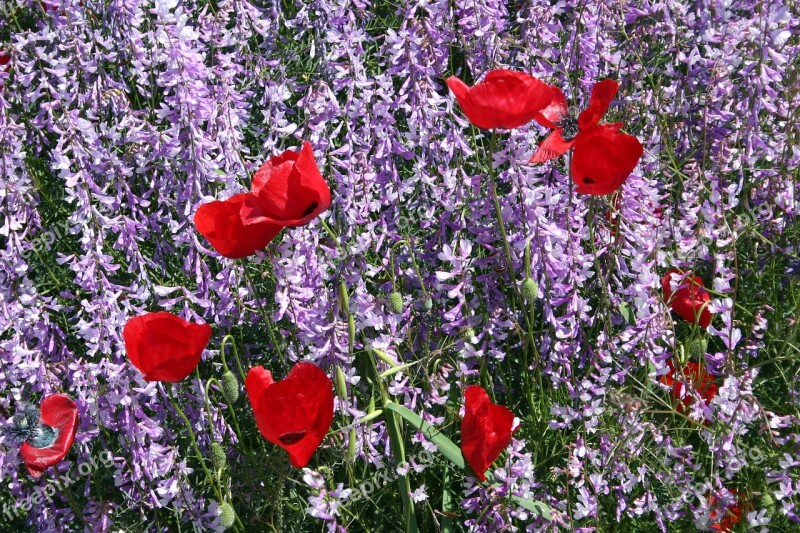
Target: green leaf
(627,313)
(535,507)
(445,446)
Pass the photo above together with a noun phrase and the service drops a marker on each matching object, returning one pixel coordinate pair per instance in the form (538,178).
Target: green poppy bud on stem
(227,516)
(396,302)
(697,347)
(218,458)
(530,290)
(351,445)
(230,387)
(344,298)
(427,304)
(340,383)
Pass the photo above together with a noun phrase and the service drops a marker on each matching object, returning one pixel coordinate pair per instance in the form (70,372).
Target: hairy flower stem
(197,452)
(396,443)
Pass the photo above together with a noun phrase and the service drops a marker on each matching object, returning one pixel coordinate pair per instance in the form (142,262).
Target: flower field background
(119,118)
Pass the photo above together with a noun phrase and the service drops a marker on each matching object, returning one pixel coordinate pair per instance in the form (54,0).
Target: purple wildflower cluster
(118,118)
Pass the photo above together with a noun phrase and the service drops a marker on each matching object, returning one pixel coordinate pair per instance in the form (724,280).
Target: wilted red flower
(58,413)
(690,300)
(694,374)
(504,99)
(732,516)
(294,413)
(288,190)
(485,430)
(163,346)
(603,157)
(221,223)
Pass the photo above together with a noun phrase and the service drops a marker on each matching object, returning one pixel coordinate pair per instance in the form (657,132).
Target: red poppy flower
(4,60)
(690,300)
(294,413)
(163,346)
(603,157)
(288,190)
(694,374)
(60,413)
(485,430)
(732,515)
(504,99)
(221,223)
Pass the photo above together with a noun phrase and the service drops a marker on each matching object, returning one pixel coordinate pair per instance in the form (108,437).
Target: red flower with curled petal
(294,413)
(4,64)
(486,430)
(48,439)
(221,223)
(165,347)
(690,299)
(603,157)
(504,99)
(288,190)
(694,374)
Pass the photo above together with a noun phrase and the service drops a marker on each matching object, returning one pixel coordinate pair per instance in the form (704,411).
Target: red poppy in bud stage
(731,516)
(603,157)
(288,190)
(51,436)
(221,223)
(163,346)
(294,413)
(701,381)
(504,99)
(485,430)
(690,300)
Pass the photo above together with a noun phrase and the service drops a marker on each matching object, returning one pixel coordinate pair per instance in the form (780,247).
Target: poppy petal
(486,430)
(690,300)
(294,413)
(220,222)
(551,147)
(288,190)
(555,110)
(602,95)
(60,412)
(504,99)
(603,158)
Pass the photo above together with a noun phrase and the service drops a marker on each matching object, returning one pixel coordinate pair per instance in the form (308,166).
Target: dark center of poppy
(587,180)
(292,437)
(27,427)
(310,209)
(569,127)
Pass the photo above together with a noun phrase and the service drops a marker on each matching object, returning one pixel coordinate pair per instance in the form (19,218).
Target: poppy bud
(768,503)
(396,302)
(351,444)
(340,383)
(427,304)
(230,387)
(530,290)
(344,298)
(227,516)
(696,348)
(218,458)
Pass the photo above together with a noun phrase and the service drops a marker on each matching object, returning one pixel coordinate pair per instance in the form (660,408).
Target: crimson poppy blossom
(4,64)
(694,374)
(690,300)
(221,223)
(486,430)
(294,413)
(165,347)
(732,515)
(603,157)
(504,99)
(47,436)
(288,190)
